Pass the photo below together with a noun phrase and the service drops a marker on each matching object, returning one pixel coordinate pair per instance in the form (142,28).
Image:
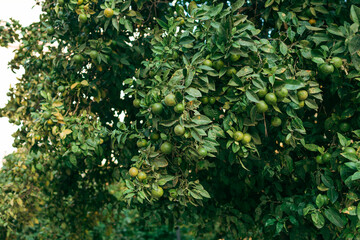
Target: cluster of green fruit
(329,68)
(156,192)
(219,64)
(84,11)
(278,96)
(326,157)
(157,108)
(179,130)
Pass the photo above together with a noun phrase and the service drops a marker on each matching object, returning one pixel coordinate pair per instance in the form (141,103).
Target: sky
(23,11)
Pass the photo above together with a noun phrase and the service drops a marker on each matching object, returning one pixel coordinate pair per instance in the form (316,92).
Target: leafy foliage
(237,119)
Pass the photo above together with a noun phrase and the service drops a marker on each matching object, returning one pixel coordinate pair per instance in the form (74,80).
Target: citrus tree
(234,118)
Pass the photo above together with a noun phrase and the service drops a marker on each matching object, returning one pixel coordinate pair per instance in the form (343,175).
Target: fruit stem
(266,133)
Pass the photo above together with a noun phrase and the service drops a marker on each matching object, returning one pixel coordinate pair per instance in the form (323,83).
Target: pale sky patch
(23,11)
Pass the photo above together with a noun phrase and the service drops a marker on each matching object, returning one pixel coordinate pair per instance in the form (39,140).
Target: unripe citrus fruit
(50,30)
(154,136)
(271,98)
(170,100)
(157,192)
(238,136)
(344,127)
(204,100)
(326,157)
(302,95)
(179,130)
(301,104)
(94,54)
(218,65)
(247,138)
(141,143)
(326,69)
(234,57)
(166,148)
(202,152)
(83,18)
(179,108)
(78,58)
(275,122)
(262,92)
(261,106)
(282,93)
(142,176)
(136,103)
(337,62)
(208,62)
(230,72)
(157,108)
(212,100)
(319,159)
(133,171)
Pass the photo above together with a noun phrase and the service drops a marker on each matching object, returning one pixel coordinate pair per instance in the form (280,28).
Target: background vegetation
(229,119)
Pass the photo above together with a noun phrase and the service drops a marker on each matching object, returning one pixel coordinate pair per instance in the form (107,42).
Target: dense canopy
(228,119)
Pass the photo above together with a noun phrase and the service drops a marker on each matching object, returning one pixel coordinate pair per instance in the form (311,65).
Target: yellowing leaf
(74,85)
(57,104)
(84,83)
(59,116)
(64,133)
(19,201)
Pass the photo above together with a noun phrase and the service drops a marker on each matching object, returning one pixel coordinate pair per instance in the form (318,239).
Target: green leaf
(268,3)
(355,14)
(279,227)
(252,96)
(321,9)
(311,104)
(270,222)
(215,10)
(335,30)
(162,23)
(204,193)
(320,200)
(115,23)
(128,25)
(308,208)
(358,211)
(334,217)
(186,40)
(283,48)
(238,4)
(201,120)
(160,162)
(355,176)
(189,77)
(125,5)
(164,179)
(193,92)
(342,139)
(350,156)
(291,84)
(354,47)
(318,219)
(314,28)
(332,194)
(72,160)
(244,71)
(195,195)
(310,147)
